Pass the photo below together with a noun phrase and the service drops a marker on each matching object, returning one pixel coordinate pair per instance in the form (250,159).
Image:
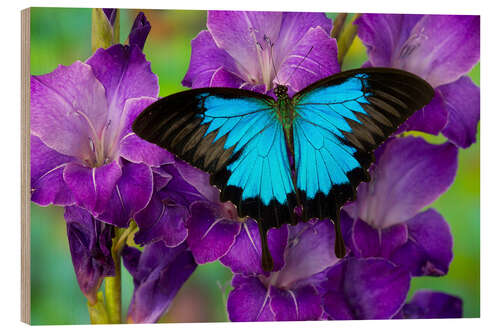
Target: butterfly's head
(281,91)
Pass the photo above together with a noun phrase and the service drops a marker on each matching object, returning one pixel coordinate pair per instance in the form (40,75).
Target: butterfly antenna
(300,63)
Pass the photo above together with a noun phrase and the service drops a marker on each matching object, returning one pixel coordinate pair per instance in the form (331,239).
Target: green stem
(346,38)
(113,284)
(97,311)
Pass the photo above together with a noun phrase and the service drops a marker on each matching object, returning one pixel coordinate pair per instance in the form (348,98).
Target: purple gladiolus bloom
(299,253)
(83,149)
(257,50)
(159,272)
(441,49)
(427,304)
(386,219)
(90,246)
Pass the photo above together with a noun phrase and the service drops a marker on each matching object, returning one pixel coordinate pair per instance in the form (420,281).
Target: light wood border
(25,168)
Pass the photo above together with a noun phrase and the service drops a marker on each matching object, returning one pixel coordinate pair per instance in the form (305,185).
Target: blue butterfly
(269,156)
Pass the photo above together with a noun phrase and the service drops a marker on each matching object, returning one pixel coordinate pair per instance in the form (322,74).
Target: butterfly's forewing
(235,136)
(339,121)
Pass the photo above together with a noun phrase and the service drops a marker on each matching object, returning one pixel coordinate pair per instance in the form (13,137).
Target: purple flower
(257,50)
(159,272)
(441,49)
(300,253)
(186,207)
(90,246)
(139,31)
(386,219)
(83,149)
(427,304)
(213,228)
(369,288)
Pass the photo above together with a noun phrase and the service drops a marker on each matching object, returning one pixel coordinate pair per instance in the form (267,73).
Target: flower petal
(311,59)
(384,35)
(295,25)
(284,304)
(427,304)
(160,178)
(137,150)
(441,48)
(131,257)
(206,59)
(90,246)
(92,187)
(370,288)
(462,103)
(430,119)
(131,193)
(249,300)
(134,148)
(161,221)
(371,242)
(132,108)
(47,183)
(245,254)
(158,274)
(68,109)
(210,235)
(311,250)
(302,303)
(220,77)
(346,226)
(124,73)
(238,32)
(192,182)
(178,190)
(409,172)
(429,249)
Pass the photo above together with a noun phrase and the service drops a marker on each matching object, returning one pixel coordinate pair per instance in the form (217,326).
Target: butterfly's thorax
(285,112)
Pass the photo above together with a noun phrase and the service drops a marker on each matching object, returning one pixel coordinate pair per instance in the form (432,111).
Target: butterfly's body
(270,156)
(285,112)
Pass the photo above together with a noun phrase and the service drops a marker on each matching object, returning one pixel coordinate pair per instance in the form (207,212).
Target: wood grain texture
(25,168)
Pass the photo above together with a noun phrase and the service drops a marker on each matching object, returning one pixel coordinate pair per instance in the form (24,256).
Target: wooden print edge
(25,168)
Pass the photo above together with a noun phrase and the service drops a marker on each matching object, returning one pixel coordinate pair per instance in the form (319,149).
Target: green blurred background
(62,36)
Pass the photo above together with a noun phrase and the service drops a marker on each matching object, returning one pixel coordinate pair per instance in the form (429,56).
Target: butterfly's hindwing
(339,121)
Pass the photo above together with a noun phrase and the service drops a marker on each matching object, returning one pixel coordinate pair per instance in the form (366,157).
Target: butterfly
(287,159)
